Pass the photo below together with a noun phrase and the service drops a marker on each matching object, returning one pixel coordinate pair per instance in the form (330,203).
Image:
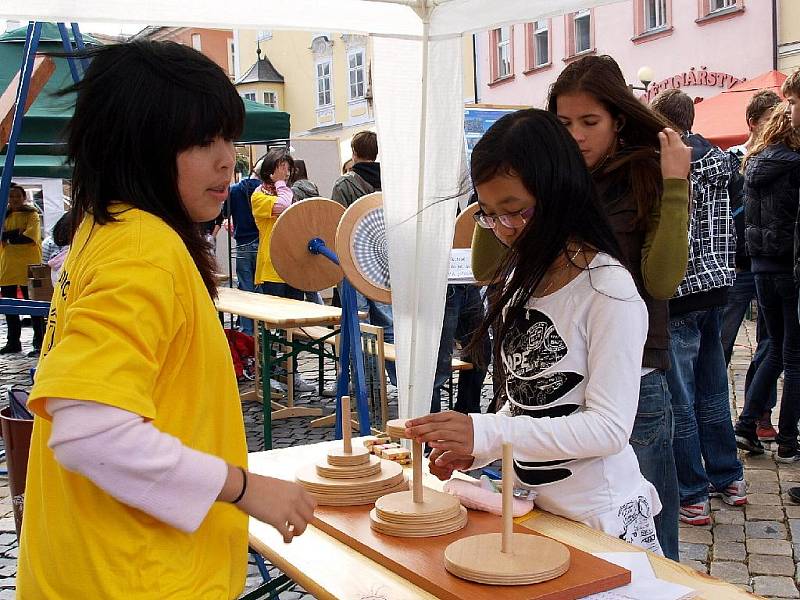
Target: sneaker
(787,454)
(794,494)
(11,349)
(735,494)
(301,385)
(696,514)
(765,431)
(748,441)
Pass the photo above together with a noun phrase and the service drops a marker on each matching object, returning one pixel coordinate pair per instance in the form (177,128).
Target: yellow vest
(132,325)
(15,258)
(262,204)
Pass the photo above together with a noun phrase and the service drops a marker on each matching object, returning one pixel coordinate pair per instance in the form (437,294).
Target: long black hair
(138,105)
(636,158)
(533,145)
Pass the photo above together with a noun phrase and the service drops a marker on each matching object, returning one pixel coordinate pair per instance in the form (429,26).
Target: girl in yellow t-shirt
(21,246)
(137,484)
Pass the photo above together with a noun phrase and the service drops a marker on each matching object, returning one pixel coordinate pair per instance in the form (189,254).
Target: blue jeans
(381,315)
(704,442)
(651,440)
(463,313)
(739,299)
(777,301)
(245,275)
(280,289)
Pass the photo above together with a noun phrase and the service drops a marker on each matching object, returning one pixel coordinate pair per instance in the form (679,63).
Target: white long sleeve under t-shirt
(573,365)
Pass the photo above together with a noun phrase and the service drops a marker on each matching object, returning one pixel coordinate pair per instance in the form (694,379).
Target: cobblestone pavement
(755,547)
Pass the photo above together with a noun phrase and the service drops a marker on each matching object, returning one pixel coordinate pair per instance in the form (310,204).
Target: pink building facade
(700,46)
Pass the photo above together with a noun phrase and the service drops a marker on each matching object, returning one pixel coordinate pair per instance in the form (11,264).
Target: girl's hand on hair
(675,155)
(449,430)
(283,504)
(443,463)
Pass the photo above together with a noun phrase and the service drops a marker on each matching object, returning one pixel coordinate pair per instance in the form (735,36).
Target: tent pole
(29,52)
(423,127)
(73,68)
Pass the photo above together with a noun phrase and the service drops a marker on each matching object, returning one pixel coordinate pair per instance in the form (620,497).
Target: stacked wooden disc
(421,512)
(350,475)
(507,558)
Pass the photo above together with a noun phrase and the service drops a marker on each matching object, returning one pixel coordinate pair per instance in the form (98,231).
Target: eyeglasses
(515,220)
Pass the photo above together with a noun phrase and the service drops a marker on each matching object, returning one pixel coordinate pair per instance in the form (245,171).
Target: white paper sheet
(644,584)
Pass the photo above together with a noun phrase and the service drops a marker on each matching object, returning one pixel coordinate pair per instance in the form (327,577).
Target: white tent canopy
(417,89)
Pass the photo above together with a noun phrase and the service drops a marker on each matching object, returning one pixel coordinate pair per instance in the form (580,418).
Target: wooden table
(329,569)
(282,314)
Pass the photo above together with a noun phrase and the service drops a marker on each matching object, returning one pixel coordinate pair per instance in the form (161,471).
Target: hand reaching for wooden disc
(448,430)
(444,462)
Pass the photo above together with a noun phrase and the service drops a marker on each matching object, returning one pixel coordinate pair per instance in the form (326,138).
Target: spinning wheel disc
(362,248)
(298,225)
(465,227)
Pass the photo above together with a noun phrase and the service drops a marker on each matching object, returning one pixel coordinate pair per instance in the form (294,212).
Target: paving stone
(794,527)
(723,551)
(729,517)
(9,594)
(718,504)
(789,474)
(694,564)
(792,511)
(763,487)
(775,586)
(764,513)
(732,572)
(753,475)
(764,499)
(695,536)
(772,547)
(761,564)
(8,583)
(693,551)
(728,533)
(770,530)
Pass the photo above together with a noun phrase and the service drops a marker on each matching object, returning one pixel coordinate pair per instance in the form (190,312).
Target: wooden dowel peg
(346,425)
(416,470)
(508,496)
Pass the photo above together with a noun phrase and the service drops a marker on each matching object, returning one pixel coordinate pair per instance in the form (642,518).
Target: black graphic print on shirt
(533,346)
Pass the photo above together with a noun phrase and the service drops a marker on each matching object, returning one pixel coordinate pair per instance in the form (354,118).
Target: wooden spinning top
(350,475)
(507,558)
(421,512)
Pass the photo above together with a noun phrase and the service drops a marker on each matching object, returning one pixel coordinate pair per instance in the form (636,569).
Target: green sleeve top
(664,253)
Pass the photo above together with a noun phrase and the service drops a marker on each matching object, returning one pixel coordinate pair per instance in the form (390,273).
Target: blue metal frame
(73,67)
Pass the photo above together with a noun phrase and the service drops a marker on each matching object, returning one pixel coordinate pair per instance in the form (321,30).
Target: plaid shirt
(712,235)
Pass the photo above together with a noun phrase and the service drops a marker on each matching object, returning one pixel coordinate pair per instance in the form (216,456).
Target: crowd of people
(607,239)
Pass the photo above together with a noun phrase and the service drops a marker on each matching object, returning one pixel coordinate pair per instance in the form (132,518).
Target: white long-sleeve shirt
(572,361)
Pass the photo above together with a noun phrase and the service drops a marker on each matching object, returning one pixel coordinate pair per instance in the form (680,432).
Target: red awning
(721,118)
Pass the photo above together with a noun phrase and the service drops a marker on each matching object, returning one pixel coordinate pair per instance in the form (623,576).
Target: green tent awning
(39,165)
(46,119)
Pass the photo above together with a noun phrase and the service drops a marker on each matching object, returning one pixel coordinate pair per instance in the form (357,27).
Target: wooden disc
(371,467)
(339,458)
(533,559)
(465,227)
(396,428)
(361,248)
(288,248)
(418,529)
(389,475)
(360,499)
(435,506)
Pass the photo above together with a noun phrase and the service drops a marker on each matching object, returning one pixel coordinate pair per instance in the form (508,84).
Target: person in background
(138,447)
(347,166)
(21,245)
(771,186)
(704,442)
(303,189)
(245,232)
(743,291)
(56,245)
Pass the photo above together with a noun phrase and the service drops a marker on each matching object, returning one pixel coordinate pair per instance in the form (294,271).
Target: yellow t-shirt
(262,204)
(15,258)
(132,326)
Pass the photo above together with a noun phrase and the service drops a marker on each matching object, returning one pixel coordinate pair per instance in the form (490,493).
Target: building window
(715,5)
(538,44)
(196,42)
(356,72)
(580,32)
(271,99)
(711,10)
(583,31)
(324,83)
(655,14)
(249,96)
(502,51)
(231,56)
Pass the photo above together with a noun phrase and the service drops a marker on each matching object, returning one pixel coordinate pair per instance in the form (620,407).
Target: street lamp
(646,76)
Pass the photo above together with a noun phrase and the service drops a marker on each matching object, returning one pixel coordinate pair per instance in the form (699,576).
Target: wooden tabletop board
(273,311)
